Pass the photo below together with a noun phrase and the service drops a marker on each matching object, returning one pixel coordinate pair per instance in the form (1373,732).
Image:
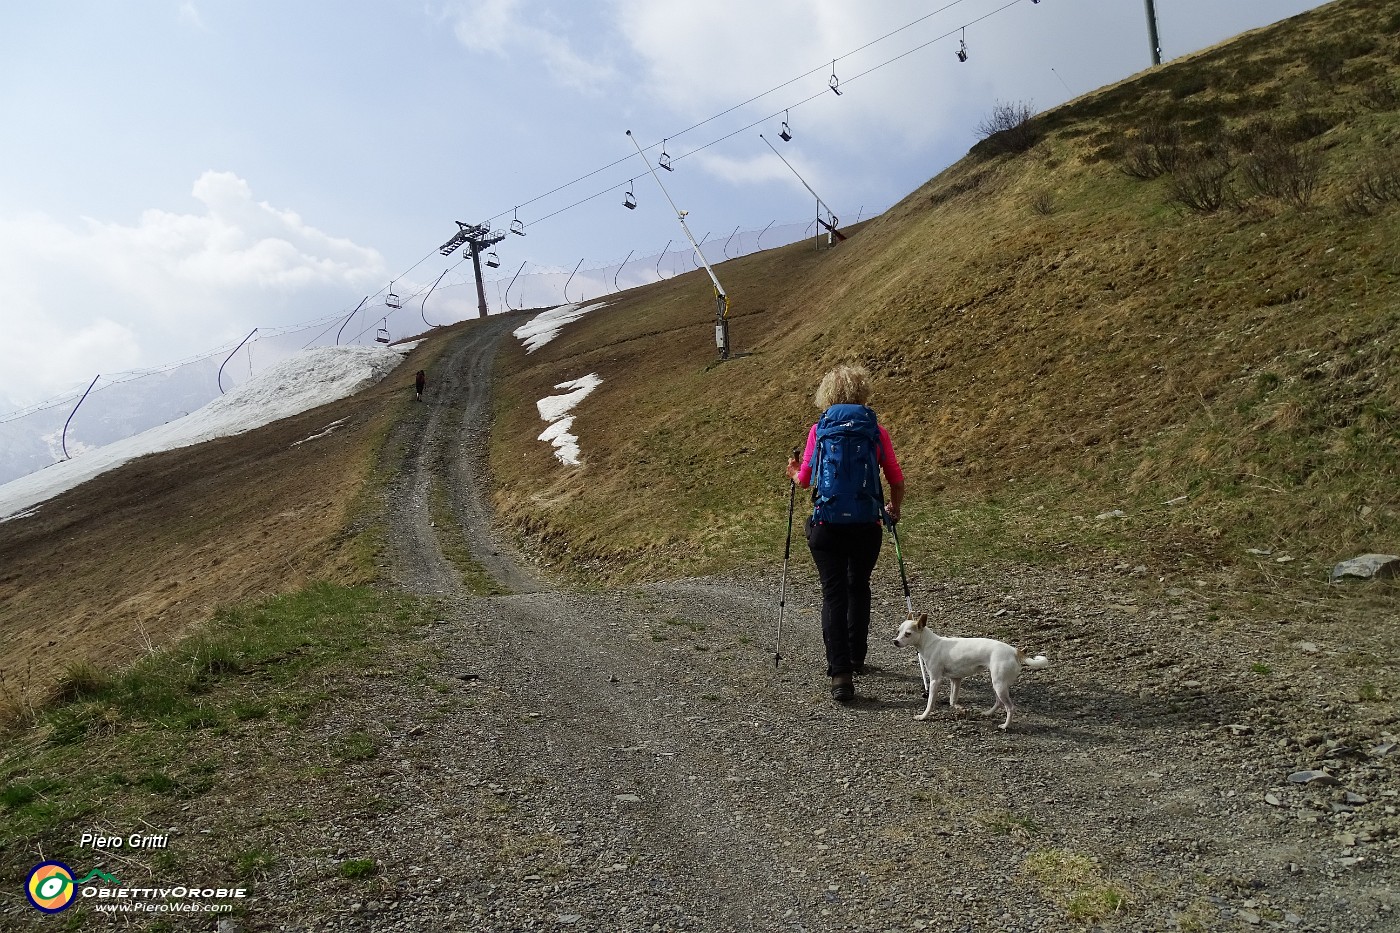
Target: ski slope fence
(120,405)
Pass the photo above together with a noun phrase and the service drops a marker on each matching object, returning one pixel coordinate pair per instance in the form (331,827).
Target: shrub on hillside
(1380,94)
(1374,189)
(1202,184)
(1278,170)
(1157,150)
(1326,62)
(1007,130)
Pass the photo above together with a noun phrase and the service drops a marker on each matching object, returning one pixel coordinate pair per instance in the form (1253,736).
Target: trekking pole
(908,601)
(787,551)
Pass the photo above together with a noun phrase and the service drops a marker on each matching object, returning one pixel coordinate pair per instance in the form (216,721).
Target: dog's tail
(1034,663)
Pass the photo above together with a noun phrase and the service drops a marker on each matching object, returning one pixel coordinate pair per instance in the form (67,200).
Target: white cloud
(121,296)
(528,30)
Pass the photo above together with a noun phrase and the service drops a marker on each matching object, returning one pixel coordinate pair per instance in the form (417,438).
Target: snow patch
(299,383)
(545,326)
(555,410)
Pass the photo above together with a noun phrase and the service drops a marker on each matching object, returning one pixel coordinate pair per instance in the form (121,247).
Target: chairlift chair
(492,259)
(629,200)
(785,134)
(962,47)
(382,335)
(834,82)
(664,160)
(392,300)
(516,226)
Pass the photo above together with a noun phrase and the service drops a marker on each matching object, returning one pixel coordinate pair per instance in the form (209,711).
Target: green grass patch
(131,748)
(1076,883)
(453,541)
(358,868)
(254,864)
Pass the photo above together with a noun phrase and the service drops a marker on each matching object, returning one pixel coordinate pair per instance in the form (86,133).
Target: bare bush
(1375,189)
(1202,185)
(1380,95)
(1043,204)
(1156,152)
(1326,62)
(1008,129)
(1288,173)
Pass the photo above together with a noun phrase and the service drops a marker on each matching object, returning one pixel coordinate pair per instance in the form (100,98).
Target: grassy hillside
(1181,289)
(142,556)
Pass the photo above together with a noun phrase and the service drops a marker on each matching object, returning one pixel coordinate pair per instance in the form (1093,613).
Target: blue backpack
(846,467)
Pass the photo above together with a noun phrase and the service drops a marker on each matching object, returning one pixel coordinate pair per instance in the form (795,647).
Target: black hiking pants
(845,556)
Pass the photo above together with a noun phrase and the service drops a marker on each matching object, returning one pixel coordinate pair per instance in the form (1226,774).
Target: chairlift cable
(749,126)
(756,97)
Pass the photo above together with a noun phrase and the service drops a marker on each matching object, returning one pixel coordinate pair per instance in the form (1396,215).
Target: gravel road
(632,760)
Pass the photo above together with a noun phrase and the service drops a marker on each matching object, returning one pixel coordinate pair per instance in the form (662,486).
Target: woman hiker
(847,449)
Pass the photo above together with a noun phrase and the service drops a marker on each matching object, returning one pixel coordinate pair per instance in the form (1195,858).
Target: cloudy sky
(177,173)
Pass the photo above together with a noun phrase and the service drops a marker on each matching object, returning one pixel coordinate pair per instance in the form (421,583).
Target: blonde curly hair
(845,385)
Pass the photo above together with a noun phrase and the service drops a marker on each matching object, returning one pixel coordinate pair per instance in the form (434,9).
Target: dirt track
(628,760)
(631,760)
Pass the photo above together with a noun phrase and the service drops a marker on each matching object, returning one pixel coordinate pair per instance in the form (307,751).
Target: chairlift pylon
(962,46)
(391,299)
(834,82)
(629,200)
(664,160)
(785,134)
(382,335)
(516,226)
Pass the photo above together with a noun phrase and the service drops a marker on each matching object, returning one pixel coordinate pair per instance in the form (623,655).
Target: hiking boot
(842,690)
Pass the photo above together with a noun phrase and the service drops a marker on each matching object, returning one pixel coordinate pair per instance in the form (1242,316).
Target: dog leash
(893,526)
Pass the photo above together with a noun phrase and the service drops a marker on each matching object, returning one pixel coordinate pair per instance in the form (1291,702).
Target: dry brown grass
(1034,367)
(138,558)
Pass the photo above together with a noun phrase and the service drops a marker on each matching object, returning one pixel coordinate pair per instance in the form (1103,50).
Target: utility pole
(832,234)
(1152,33)
(721,299)
(476,237)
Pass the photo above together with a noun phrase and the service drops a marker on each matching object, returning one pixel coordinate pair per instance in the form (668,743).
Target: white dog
(956,658)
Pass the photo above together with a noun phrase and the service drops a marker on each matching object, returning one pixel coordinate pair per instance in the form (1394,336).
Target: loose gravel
(634,760)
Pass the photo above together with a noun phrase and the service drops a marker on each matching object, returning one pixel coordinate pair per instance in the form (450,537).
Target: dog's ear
(923,620)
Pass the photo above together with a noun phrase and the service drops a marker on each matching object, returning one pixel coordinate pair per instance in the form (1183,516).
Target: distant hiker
(419,381)
(846,451)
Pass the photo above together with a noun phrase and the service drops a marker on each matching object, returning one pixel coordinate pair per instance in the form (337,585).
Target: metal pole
(506,299)
(695,260)
(726,242)
(480,284)
(661,257)
(1152,33)
(424,308)
(820,202)
(759,242)
(64,439)
(571,278)
(721,299)
(619,268)
(240,347)
(342,325)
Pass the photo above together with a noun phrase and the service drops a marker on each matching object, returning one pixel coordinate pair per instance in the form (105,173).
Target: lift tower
(477,238)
